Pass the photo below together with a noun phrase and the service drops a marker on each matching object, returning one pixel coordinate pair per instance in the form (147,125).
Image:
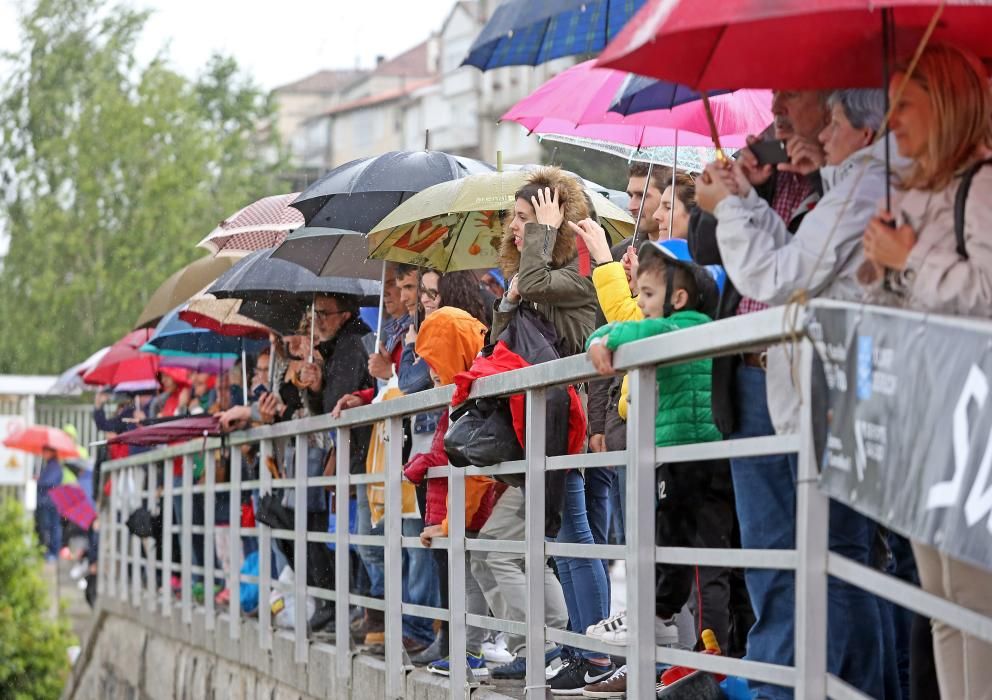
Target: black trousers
(320,559)
(695,508)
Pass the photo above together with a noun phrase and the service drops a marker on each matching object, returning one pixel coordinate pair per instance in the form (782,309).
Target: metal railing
(128,570)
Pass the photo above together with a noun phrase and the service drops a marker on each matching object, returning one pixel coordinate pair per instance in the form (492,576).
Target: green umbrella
(456,225)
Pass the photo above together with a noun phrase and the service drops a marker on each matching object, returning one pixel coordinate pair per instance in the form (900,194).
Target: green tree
(34,659)
(112,171)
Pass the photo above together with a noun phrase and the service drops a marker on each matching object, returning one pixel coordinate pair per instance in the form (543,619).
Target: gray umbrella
(358,195)
(329,252)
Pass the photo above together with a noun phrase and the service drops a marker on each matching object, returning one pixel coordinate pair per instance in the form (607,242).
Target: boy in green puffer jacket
(695,500)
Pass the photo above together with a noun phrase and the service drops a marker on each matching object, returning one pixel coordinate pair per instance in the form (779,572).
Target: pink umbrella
(263,224)
(574,107)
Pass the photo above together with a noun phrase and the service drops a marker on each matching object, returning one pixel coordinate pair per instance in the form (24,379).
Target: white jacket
(769,264)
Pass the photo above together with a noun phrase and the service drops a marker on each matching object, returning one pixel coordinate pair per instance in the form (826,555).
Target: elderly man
(773,242)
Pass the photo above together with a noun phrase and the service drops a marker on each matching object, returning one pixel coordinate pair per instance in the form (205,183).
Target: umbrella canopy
(522,32)
(180,286)
(221,316)
(125,362)
(208,364)
(74,504)
(71,380)
(456,226)
(788,44)
(170,431)
(262,224)
(357,195)
(638,93)
(262,277)
(35,437)
(173,336)
(574,106)
(329,252)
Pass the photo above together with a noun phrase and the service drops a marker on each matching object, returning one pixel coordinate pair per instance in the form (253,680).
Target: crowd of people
(730,241)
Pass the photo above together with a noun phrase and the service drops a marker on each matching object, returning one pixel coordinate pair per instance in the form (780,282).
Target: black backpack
(960,199)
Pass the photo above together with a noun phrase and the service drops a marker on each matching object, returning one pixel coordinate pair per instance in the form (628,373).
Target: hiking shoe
(323,617)
(516,670)
(608,626)
(476,666)
(375,639)
(437,650)
(576,675)
(613,687)
(413,646)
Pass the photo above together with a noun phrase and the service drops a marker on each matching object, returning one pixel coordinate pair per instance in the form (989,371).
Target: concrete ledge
(133,653)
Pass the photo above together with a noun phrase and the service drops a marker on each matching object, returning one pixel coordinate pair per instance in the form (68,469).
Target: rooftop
(324,81)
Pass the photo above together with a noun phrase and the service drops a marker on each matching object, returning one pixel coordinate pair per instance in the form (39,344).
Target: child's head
(668,281)
(448,341)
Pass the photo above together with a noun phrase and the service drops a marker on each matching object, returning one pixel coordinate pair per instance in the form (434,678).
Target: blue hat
(709,279)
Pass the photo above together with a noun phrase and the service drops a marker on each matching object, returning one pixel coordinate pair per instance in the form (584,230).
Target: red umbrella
(124,362)
(73,504)
(787,44)
(170,431)
(35,437)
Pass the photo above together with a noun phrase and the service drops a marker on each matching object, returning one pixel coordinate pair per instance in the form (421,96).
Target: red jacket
(480,492)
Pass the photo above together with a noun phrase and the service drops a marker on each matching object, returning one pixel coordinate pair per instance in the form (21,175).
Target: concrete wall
(139,655)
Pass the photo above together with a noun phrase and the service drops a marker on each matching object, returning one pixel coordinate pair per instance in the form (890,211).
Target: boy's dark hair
(681,277)
(403,269)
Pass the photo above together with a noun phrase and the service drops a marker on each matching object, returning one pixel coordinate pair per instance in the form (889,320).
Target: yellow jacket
(617,304)
(375,463)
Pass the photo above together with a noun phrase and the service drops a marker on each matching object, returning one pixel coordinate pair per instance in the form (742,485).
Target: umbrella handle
(382,298)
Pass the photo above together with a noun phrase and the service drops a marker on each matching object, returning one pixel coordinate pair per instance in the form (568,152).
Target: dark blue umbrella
(359,194)
(173,336)
(641,94)
(528,33)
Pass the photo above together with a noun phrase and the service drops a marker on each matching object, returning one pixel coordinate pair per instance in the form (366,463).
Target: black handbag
(481,434)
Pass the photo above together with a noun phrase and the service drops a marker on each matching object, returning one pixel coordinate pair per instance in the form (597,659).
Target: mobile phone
(769,151)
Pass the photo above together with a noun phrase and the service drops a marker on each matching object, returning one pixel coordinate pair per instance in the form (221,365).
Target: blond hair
(961,124)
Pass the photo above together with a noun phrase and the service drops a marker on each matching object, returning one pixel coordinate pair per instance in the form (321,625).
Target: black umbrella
(358,195)
(329,252)
(260,277)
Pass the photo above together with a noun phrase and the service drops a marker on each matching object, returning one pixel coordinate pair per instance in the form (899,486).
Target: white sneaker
(612,630)
(666,632)
(495,652)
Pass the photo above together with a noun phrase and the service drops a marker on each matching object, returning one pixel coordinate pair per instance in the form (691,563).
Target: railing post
(342,583)
(122,535)
(393,556)
(110,534)
(151,551)
(136,546)
(234,584)
(264,553)
(209,525)
(456,583)
(167,481)
(300,550)
(812,525)
(186,538)
(641,533)
(534,557)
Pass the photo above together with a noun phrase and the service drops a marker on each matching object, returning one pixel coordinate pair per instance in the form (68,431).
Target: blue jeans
(49,527)
(765,491)
(583,581)
(600,484)
(371,557)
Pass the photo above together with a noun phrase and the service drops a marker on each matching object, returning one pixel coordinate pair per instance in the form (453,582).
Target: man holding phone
(775,169)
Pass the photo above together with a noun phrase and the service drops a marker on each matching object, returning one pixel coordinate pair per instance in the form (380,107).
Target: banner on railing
(910,425)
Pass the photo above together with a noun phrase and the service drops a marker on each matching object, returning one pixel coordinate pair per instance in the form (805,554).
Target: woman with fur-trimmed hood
(539,257)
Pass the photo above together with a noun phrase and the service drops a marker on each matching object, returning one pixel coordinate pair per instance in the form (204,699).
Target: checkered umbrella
(263,224)
(73,504)
(524,33)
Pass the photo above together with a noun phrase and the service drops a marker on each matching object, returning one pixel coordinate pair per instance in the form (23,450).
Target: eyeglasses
(432,294)
(321,313)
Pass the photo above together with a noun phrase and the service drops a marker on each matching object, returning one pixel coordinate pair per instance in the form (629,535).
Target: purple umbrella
(74,504)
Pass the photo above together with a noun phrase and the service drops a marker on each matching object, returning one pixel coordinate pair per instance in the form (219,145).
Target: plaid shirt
(791,190)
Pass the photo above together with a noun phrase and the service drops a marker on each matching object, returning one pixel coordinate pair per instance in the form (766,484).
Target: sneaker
(223,599)
(516,670)
(476,666)
(437,650)
(613,687)
(323,617)
(496,653)
(413,646)
(609,625)
(576,675)
(666,632)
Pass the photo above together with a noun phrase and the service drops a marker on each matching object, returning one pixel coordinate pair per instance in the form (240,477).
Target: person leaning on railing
(942,121)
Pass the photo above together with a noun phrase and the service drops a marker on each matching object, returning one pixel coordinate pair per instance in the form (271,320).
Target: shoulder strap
(960,200)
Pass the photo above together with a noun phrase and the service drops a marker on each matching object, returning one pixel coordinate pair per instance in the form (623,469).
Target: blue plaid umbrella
(525,33)
(641,94)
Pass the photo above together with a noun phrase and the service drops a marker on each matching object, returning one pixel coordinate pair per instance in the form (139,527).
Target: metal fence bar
(209,524)
(342,575)
(756,670)
(234,544)
(167,483)
(186,537)
(136,556)
(456,584)
(122,535)
(152,552)
(300,648)
(812,524)
(534,559)
(640,533)
(264,553)
(393,554)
